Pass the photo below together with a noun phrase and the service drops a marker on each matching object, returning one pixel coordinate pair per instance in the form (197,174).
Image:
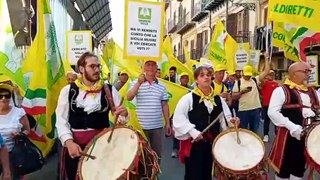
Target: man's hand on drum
(121,110)
(73,148)
(235,121)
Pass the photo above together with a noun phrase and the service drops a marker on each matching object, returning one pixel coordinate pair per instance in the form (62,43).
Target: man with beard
(82,112)
(290,106)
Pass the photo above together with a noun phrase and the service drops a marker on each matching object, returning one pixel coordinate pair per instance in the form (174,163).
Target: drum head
(238,157)
(112,159)
(313,143)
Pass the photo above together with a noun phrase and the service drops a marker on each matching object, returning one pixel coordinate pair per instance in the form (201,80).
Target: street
(171,168)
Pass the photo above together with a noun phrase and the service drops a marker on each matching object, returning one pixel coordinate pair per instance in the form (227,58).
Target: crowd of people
(233,98)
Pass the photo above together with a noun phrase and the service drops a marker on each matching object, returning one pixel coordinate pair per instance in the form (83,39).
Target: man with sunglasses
(82,112)
(290,106)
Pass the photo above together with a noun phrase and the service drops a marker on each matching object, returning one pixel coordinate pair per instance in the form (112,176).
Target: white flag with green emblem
(10,56)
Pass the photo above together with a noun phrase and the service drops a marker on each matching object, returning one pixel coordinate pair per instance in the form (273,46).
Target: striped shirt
(149,104)
(11,122)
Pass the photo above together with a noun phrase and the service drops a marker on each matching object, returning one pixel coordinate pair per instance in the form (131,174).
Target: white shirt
(182,126)
(276,103)
(9,123)
(90,104)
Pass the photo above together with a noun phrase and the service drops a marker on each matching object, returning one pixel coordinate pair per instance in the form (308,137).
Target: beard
(92,78)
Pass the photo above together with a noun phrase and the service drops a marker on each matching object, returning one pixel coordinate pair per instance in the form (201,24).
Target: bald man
(290,105)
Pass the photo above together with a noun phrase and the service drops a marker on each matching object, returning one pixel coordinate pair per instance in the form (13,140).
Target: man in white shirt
(82,111)
(290,106)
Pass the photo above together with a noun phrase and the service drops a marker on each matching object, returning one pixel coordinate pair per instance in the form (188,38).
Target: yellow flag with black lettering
(304,13)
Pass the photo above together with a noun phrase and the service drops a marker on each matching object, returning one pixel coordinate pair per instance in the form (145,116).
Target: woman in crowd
(13,120)
(194,112)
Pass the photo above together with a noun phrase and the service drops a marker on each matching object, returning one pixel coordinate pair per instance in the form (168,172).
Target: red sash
(80,137)
(277,152)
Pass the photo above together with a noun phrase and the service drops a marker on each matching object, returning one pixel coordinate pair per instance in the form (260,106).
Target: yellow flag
(222,48)
(175,93)
(217,52)
(231,48)
(44,66)
(278,34)
(173,61)
(304,13)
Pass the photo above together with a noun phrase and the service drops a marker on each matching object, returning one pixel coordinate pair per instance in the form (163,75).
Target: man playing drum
(194,112)
(290,106)
(82,112)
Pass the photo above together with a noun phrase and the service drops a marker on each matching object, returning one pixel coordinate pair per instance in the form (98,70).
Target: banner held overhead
(78,42)
(143,33)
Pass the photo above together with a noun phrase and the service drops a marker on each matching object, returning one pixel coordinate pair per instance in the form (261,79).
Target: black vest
(79,119)
(292,108)
(200,117)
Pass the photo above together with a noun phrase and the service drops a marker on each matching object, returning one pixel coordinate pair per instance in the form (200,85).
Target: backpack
(222,89)
(254,79)
(26,157)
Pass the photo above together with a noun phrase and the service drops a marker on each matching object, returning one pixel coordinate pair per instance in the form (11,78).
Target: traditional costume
(290,106)
(82,112)
(194,112)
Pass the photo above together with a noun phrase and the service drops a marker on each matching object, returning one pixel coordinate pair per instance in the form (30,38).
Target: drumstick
(87,155)
(115,122)
(236,126)
(209,126)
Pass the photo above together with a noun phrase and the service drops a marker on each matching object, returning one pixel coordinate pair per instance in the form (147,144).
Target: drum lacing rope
(93,145)
(312,166)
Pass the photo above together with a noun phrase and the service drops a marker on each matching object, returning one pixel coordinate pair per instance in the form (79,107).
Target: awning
(97,15)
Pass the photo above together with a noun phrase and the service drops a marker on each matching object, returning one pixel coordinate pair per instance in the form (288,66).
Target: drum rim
(306,145)
(79,171)
(238,172)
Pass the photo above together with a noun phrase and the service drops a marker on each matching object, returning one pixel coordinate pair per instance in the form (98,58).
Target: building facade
(190,23)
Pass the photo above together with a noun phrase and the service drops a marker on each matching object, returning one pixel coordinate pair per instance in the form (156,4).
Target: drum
(239,161)
(126,156)
(312,147)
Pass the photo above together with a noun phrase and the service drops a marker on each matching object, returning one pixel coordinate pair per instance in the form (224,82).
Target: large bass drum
(126,156)
(239,161)
(313,147)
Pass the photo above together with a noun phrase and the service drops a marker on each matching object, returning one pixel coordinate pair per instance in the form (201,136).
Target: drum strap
(109,98)
(277,152)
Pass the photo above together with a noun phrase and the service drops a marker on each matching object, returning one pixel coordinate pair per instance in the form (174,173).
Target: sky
(117,17)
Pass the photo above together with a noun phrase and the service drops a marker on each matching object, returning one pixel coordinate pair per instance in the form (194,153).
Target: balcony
(196,54)
(212,5)
(198,11)
(184,24)
(243,37)
(172,26)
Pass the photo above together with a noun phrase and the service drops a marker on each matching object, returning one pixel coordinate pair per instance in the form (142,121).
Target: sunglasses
(306,71)
(6,96)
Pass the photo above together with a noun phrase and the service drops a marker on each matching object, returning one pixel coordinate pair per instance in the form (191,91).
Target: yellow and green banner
(10,56)
(44,67)
(301,12)
(222,48)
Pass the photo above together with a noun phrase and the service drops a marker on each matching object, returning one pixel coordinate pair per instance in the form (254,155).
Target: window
(205,38)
